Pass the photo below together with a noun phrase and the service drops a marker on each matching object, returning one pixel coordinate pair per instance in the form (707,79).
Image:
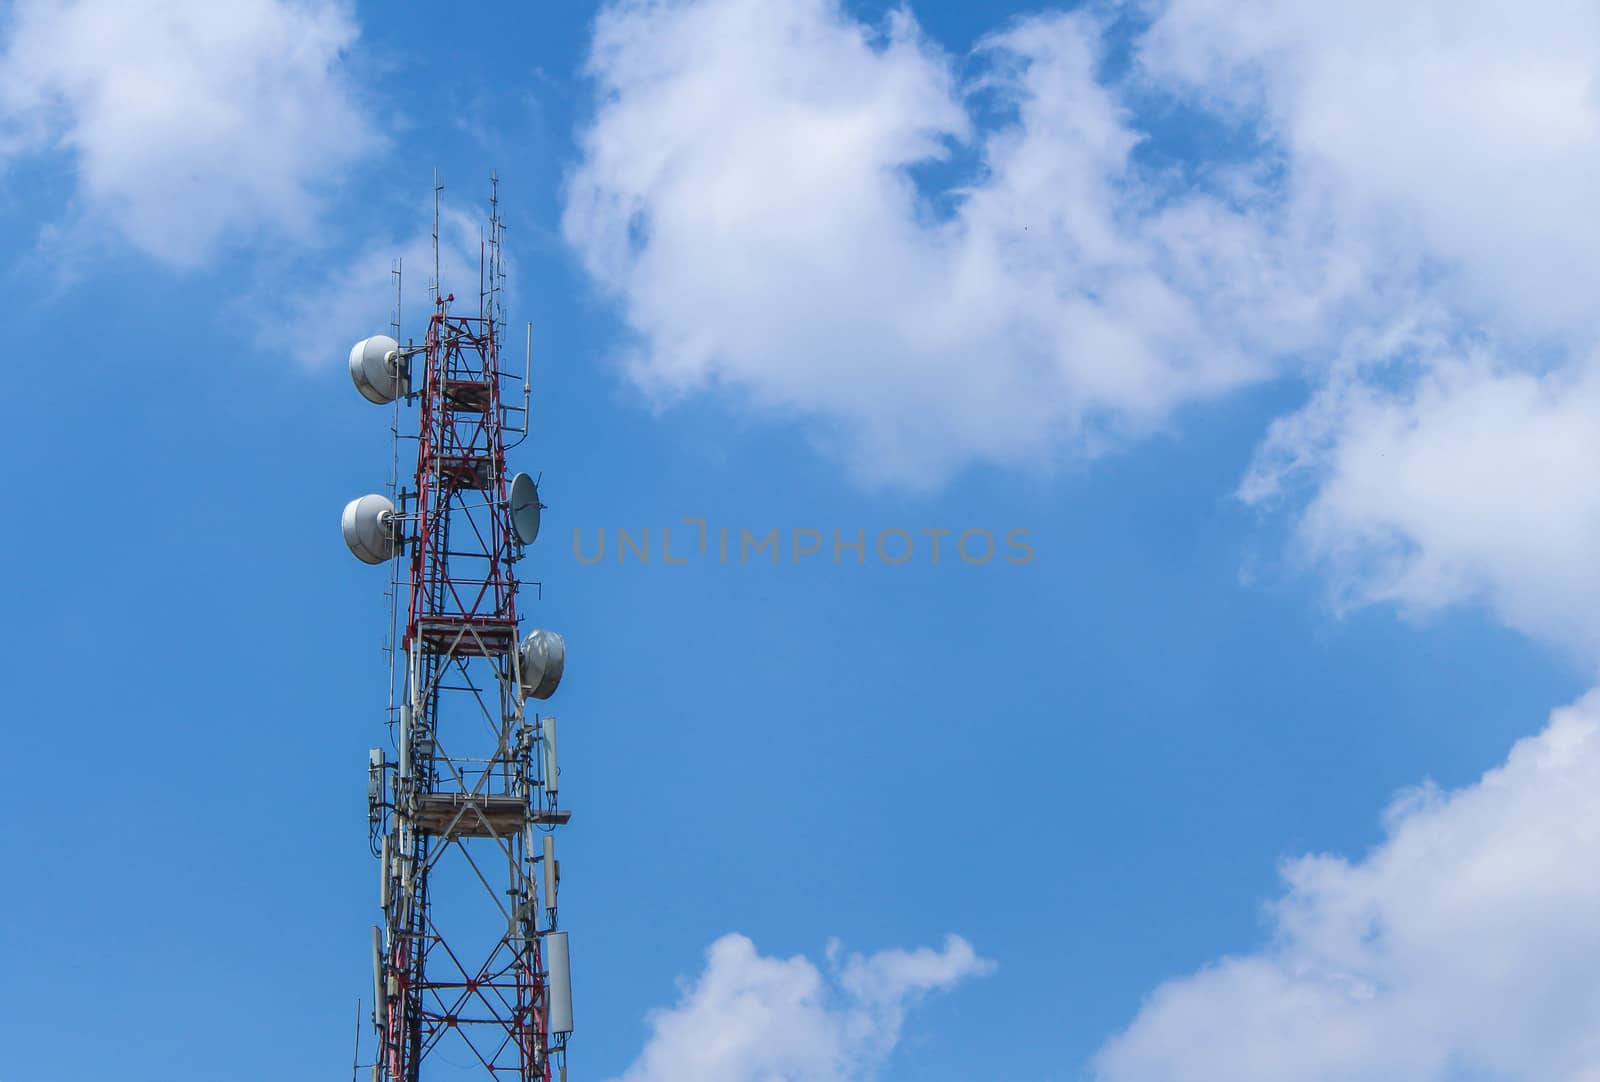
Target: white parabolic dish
(368,524)
(375,368)
(544,656)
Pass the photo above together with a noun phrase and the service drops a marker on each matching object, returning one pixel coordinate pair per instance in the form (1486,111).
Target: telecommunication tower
(469,966)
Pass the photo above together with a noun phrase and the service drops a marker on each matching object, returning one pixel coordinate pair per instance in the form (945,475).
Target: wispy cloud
(318,320)
(186,122)
(1449,457)
(1472,481)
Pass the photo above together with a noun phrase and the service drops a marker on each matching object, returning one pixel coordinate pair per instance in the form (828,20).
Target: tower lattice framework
(469,965)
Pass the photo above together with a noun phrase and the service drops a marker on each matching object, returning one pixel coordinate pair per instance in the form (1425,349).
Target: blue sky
(1272,331)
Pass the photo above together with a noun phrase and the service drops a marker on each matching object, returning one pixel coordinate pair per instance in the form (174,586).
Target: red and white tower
(470,968)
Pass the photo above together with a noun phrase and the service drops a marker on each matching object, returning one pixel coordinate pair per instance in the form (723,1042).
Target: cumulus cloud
(933,269)
(1447,454)
(1449,461)
(1470,480)
(754,190)
(751,1017)
(1470,130)
(1462,947)
(187,121)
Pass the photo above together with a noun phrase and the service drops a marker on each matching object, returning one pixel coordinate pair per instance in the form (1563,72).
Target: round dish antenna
(371,529)
(525,508)
(544,655)
(375,368)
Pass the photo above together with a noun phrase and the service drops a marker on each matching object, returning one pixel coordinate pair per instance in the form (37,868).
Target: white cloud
(754,210)
(746,191)
(1472,481)
(1463,947)
(1419,207)
(1470,129)
(750,1018)
(1413,226)
(187,121)
(1447,456)
(1452,461)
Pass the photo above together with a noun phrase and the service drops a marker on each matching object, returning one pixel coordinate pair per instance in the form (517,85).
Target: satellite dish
(370,528)
(544,656)
(375,368)
(525,508)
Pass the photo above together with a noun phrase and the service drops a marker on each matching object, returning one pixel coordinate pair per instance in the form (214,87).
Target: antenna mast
(468,961)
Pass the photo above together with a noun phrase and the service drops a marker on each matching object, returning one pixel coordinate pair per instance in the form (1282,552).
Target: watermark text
(695,540)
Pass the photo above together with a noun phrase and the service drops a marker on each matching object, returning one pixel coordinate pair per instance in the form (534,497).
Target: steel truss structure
(469,965)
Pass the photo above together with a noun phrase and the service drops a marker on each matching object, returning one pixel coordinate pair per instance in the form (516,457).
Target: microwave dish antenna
(376,369)
(371,528)
(543,657)
(525,508)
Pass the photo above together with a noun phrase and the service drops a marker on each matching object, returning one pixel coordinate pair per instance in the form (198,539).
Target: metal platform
(464,815)
(467,636)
